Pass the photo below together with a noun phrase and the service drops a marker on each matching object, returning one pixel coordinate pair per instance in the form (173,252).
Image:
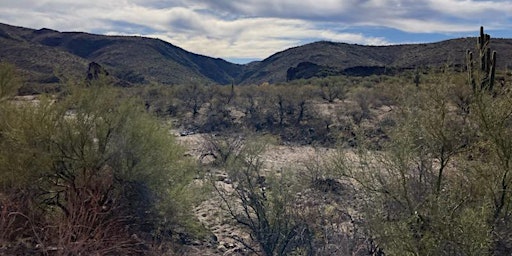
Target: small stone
(229,245)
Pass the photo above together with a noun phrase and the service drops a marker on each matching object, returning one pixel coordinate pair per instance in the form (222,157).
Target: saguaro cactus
(487,64)
(470,68)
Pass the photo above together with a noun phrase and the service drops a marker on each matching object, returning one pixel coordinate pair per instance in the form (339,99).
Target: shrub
(263,205)
(9,83)
(105,172)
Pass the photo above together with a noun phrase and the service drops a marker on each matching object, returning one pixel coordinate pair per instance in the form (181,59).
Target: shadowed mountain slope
(132,59)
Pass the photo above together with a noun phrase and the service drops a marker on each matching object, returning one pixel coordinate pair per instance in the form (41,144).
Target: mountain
(44,55)
(40,53)
(324,58)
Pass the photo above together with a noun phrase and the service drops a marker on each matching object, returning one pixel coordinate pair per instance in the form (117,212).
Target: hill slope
(344,58)
(133,59)
(41,53)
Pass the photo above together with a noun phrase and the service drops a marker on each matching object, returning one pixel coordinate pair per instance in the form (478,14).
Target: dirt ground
(211,213)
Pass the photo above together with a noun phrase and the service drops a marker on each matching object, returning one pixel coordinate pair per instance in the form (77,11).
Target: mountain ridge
(130,58)
(45,54)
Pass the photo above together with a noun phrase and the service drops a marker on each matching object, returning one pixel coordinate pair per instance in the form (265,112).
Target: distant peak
(45,30)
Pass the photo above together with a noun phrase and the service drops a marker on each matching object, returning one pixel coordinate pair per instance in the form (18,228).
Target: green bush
(9,83)
(101,167)
(424,191)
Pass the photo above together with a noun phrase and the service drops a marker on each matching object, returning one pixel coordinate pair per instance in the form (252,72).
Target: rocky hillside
(325,58)
(42,52)
(45,54)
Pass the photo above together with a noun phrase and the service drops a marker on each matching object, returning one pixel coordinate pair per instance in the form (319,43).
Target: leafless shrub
(222,149)
(262,204)
(18,223)
(92,227)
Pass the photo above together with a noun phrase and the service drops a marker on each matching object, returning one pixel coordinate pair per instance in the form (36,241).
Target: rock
(94,71)
(229,245)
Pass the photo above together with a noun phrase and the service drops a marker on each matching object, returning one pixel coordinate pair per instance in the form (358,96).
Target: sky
(241,31)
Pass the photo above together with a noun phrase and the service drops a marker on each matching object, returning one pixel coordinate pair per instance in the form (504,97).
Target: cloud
(468,9)
(258,28)
(385,13)
(251,37)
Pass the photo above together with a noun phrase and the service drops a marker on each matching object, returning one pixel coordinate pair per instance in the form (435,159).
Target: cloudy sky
(244,30)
